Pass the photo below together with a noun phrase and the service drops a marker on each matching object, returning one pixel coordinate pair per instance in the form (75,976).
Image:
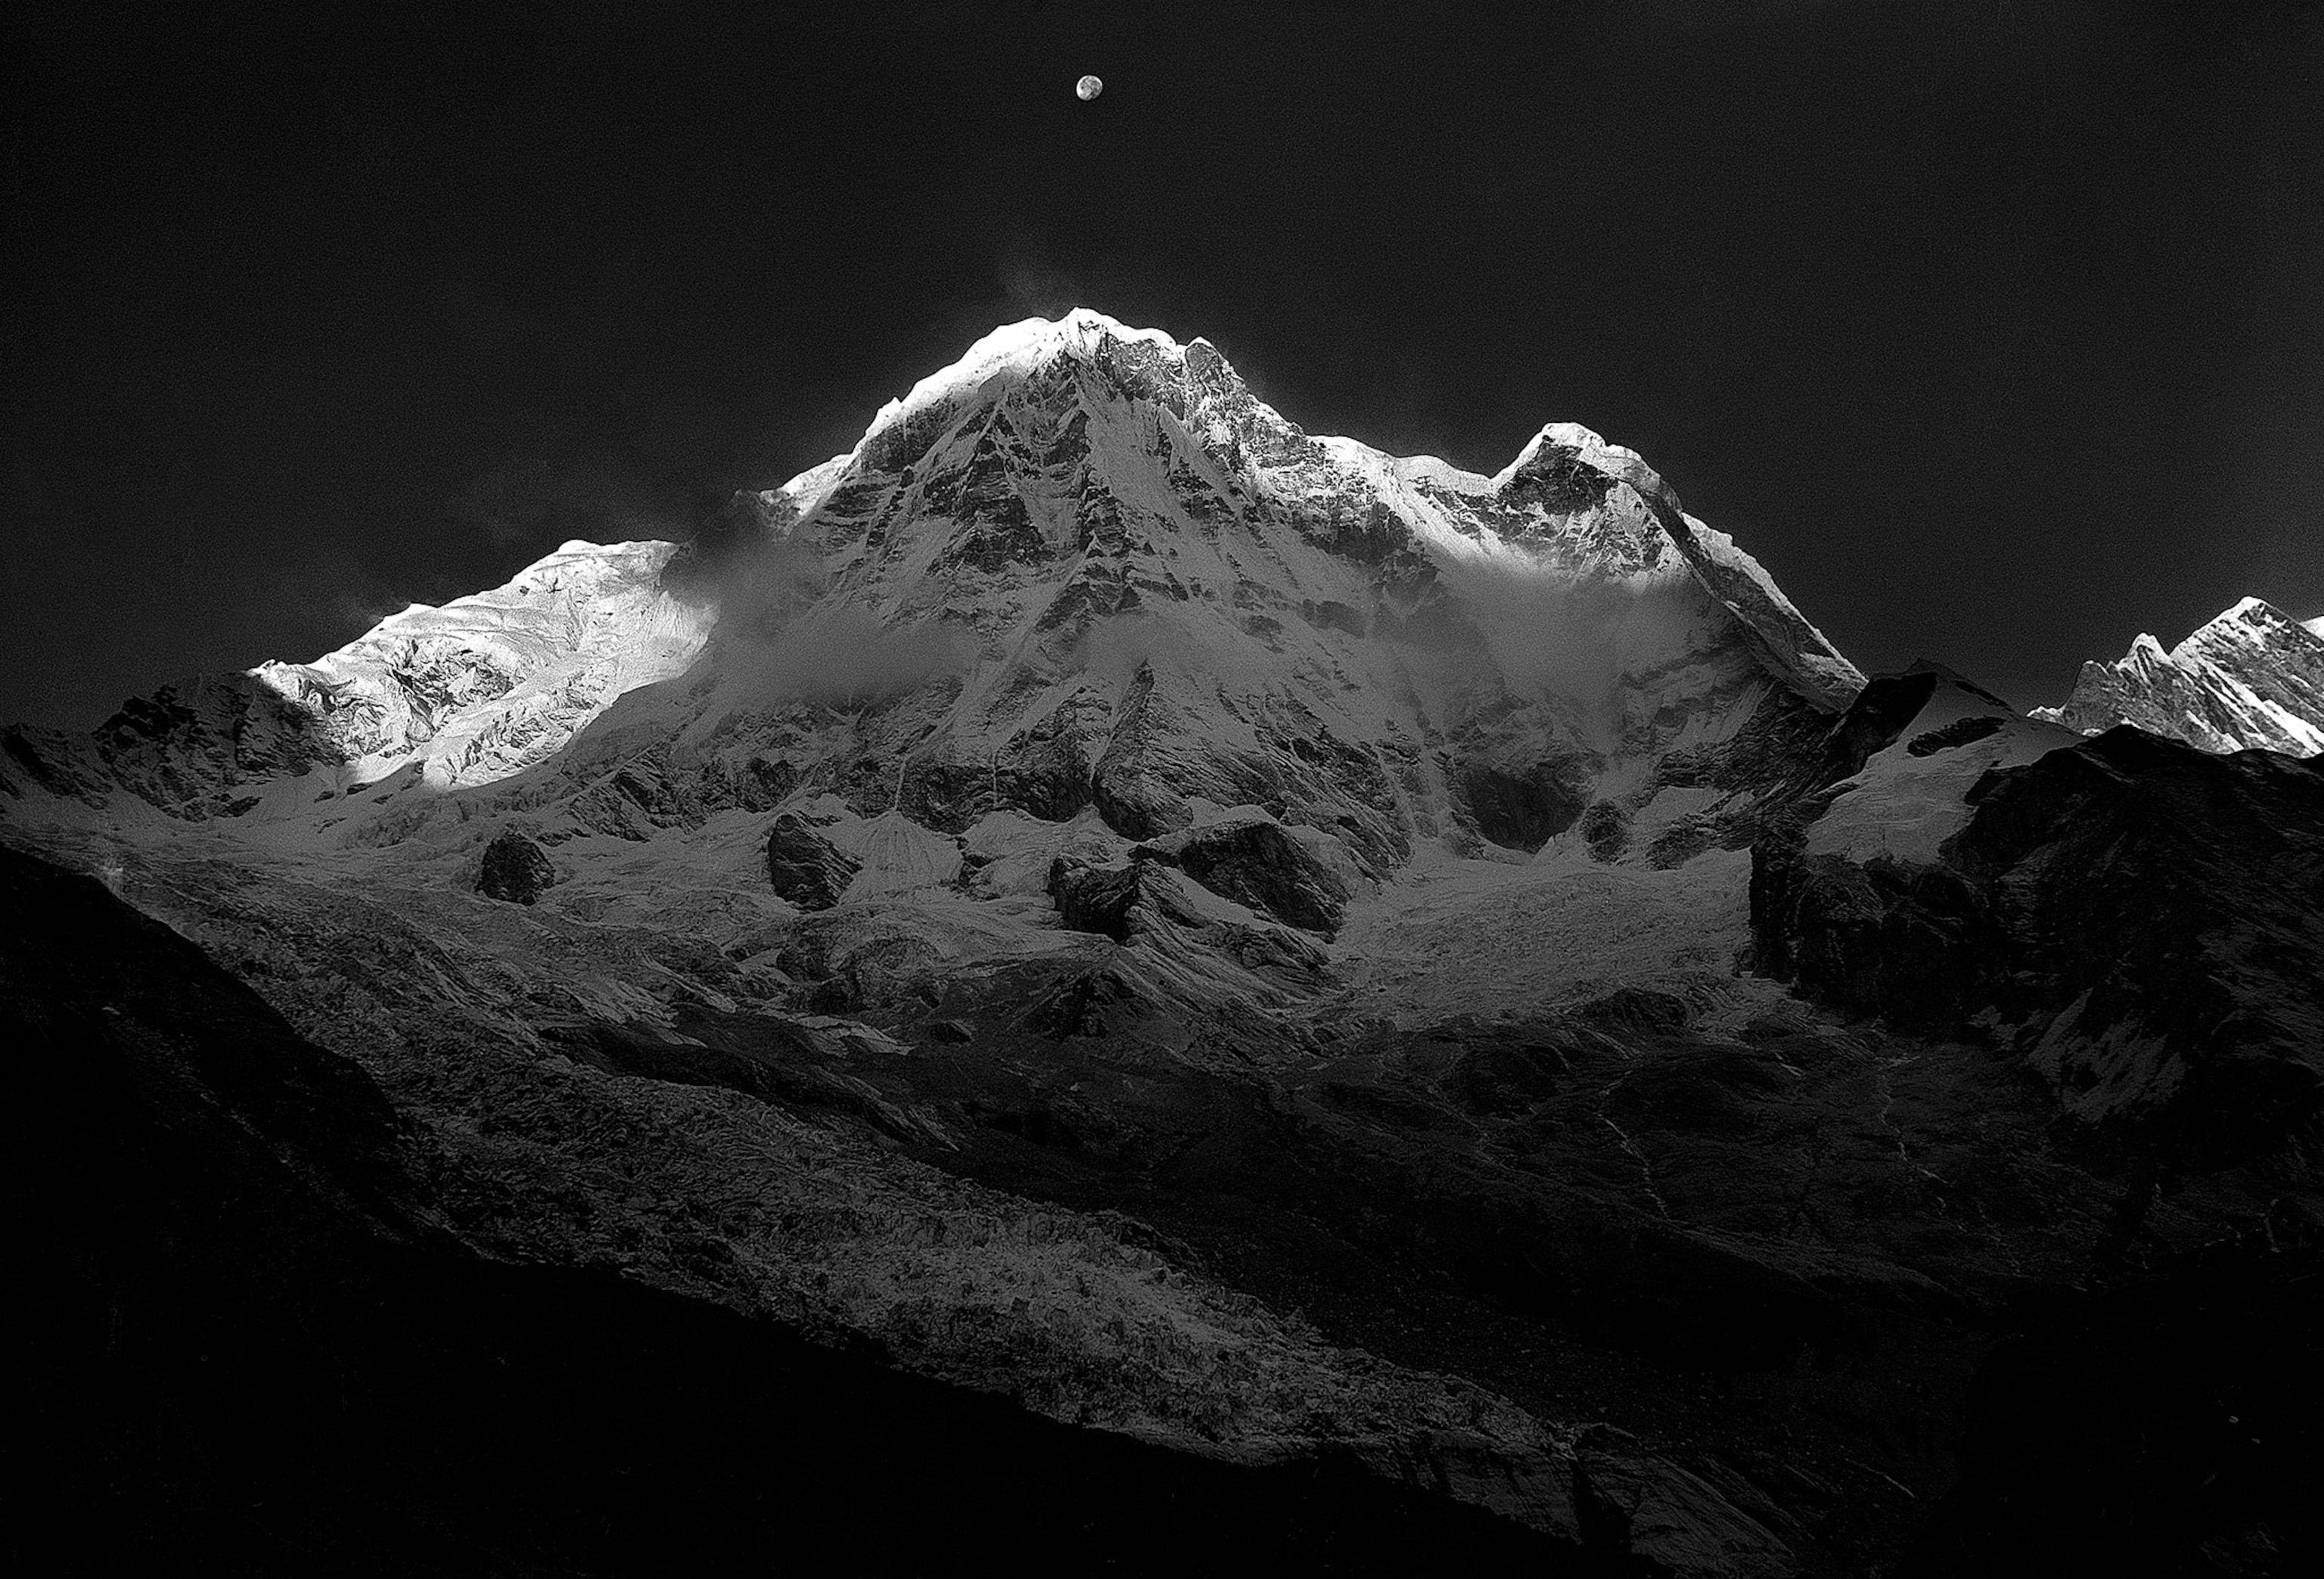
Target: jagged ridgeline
(1083,569)
(2251,678)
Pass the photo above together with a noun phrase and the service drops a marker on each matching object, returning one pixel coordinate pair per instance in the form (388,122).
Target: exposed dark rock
(947,795)
(1086,1005)
(1685,839)
(2128,892)
(1960,732)
(1606,828)
(187,748)
(1558,478)
(1520,810)
(1096,899)
(515,869)
(805,867)
(761,1055)
(1155,761)
(769,782)
(1259,864)
(1045,776)
(1915,944)
(635,798)
(49,759)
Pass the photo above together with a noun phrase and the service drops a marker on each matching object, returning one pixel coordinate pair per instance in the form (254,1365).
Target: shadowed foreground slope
(252,1352)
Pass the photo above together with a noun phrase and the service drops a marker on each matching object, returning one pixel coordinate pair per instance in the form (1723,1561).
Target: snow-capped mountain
(1083,565)
(2253,679)
(1319,965)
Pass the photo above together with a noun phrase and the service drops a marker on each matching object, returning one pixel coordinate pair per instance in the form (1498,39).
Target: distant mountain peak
(2252,678)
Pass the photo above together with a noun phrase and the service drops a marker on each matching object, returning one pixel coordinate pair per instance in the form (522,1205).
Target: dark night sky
(1996,329)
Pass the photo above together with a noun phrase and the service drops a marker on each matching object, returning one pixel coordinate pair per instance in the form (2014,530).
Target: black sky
(1995,328)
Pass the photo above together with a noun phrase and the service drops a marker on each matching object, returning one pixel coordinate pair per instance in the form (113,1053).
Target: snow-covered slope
(487,684)
(463,694)
(2251,679)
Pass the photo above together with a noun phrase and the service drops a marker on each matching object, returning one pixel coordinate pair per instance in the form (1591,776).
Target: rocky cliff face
(2250,679)
(2127,912)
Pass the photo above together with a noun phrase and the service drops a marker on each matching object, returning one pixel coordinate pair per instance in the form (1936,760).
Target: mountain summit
(2251,679)
(1083,565)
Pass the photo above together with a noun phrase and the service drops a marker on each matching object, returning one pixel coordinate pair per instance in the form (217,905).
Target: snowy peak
(1081,568)
(1022,347)
(464,694)
(2251,679)
(1566,466)
(2253,622)
(1087,437)
(1086,363)
(1084,568)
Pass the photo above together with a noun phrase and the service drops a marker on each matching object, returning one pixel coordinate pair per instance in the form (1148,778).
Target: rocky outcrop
(1102,900)
(515,869)
(804,867)
(1258,863)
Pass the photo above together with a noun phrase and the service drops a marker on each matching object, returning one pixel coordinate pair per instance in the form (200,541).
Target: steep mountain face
(1099,917)
(2250,679)
(1086,569)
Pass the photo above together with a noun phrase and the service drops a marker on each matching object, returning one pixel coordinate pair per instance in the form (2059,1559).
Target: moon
(1088,88)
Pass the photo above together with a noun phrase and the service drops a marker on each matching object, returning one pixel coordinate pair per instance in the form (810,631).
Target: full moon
(1088,88)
